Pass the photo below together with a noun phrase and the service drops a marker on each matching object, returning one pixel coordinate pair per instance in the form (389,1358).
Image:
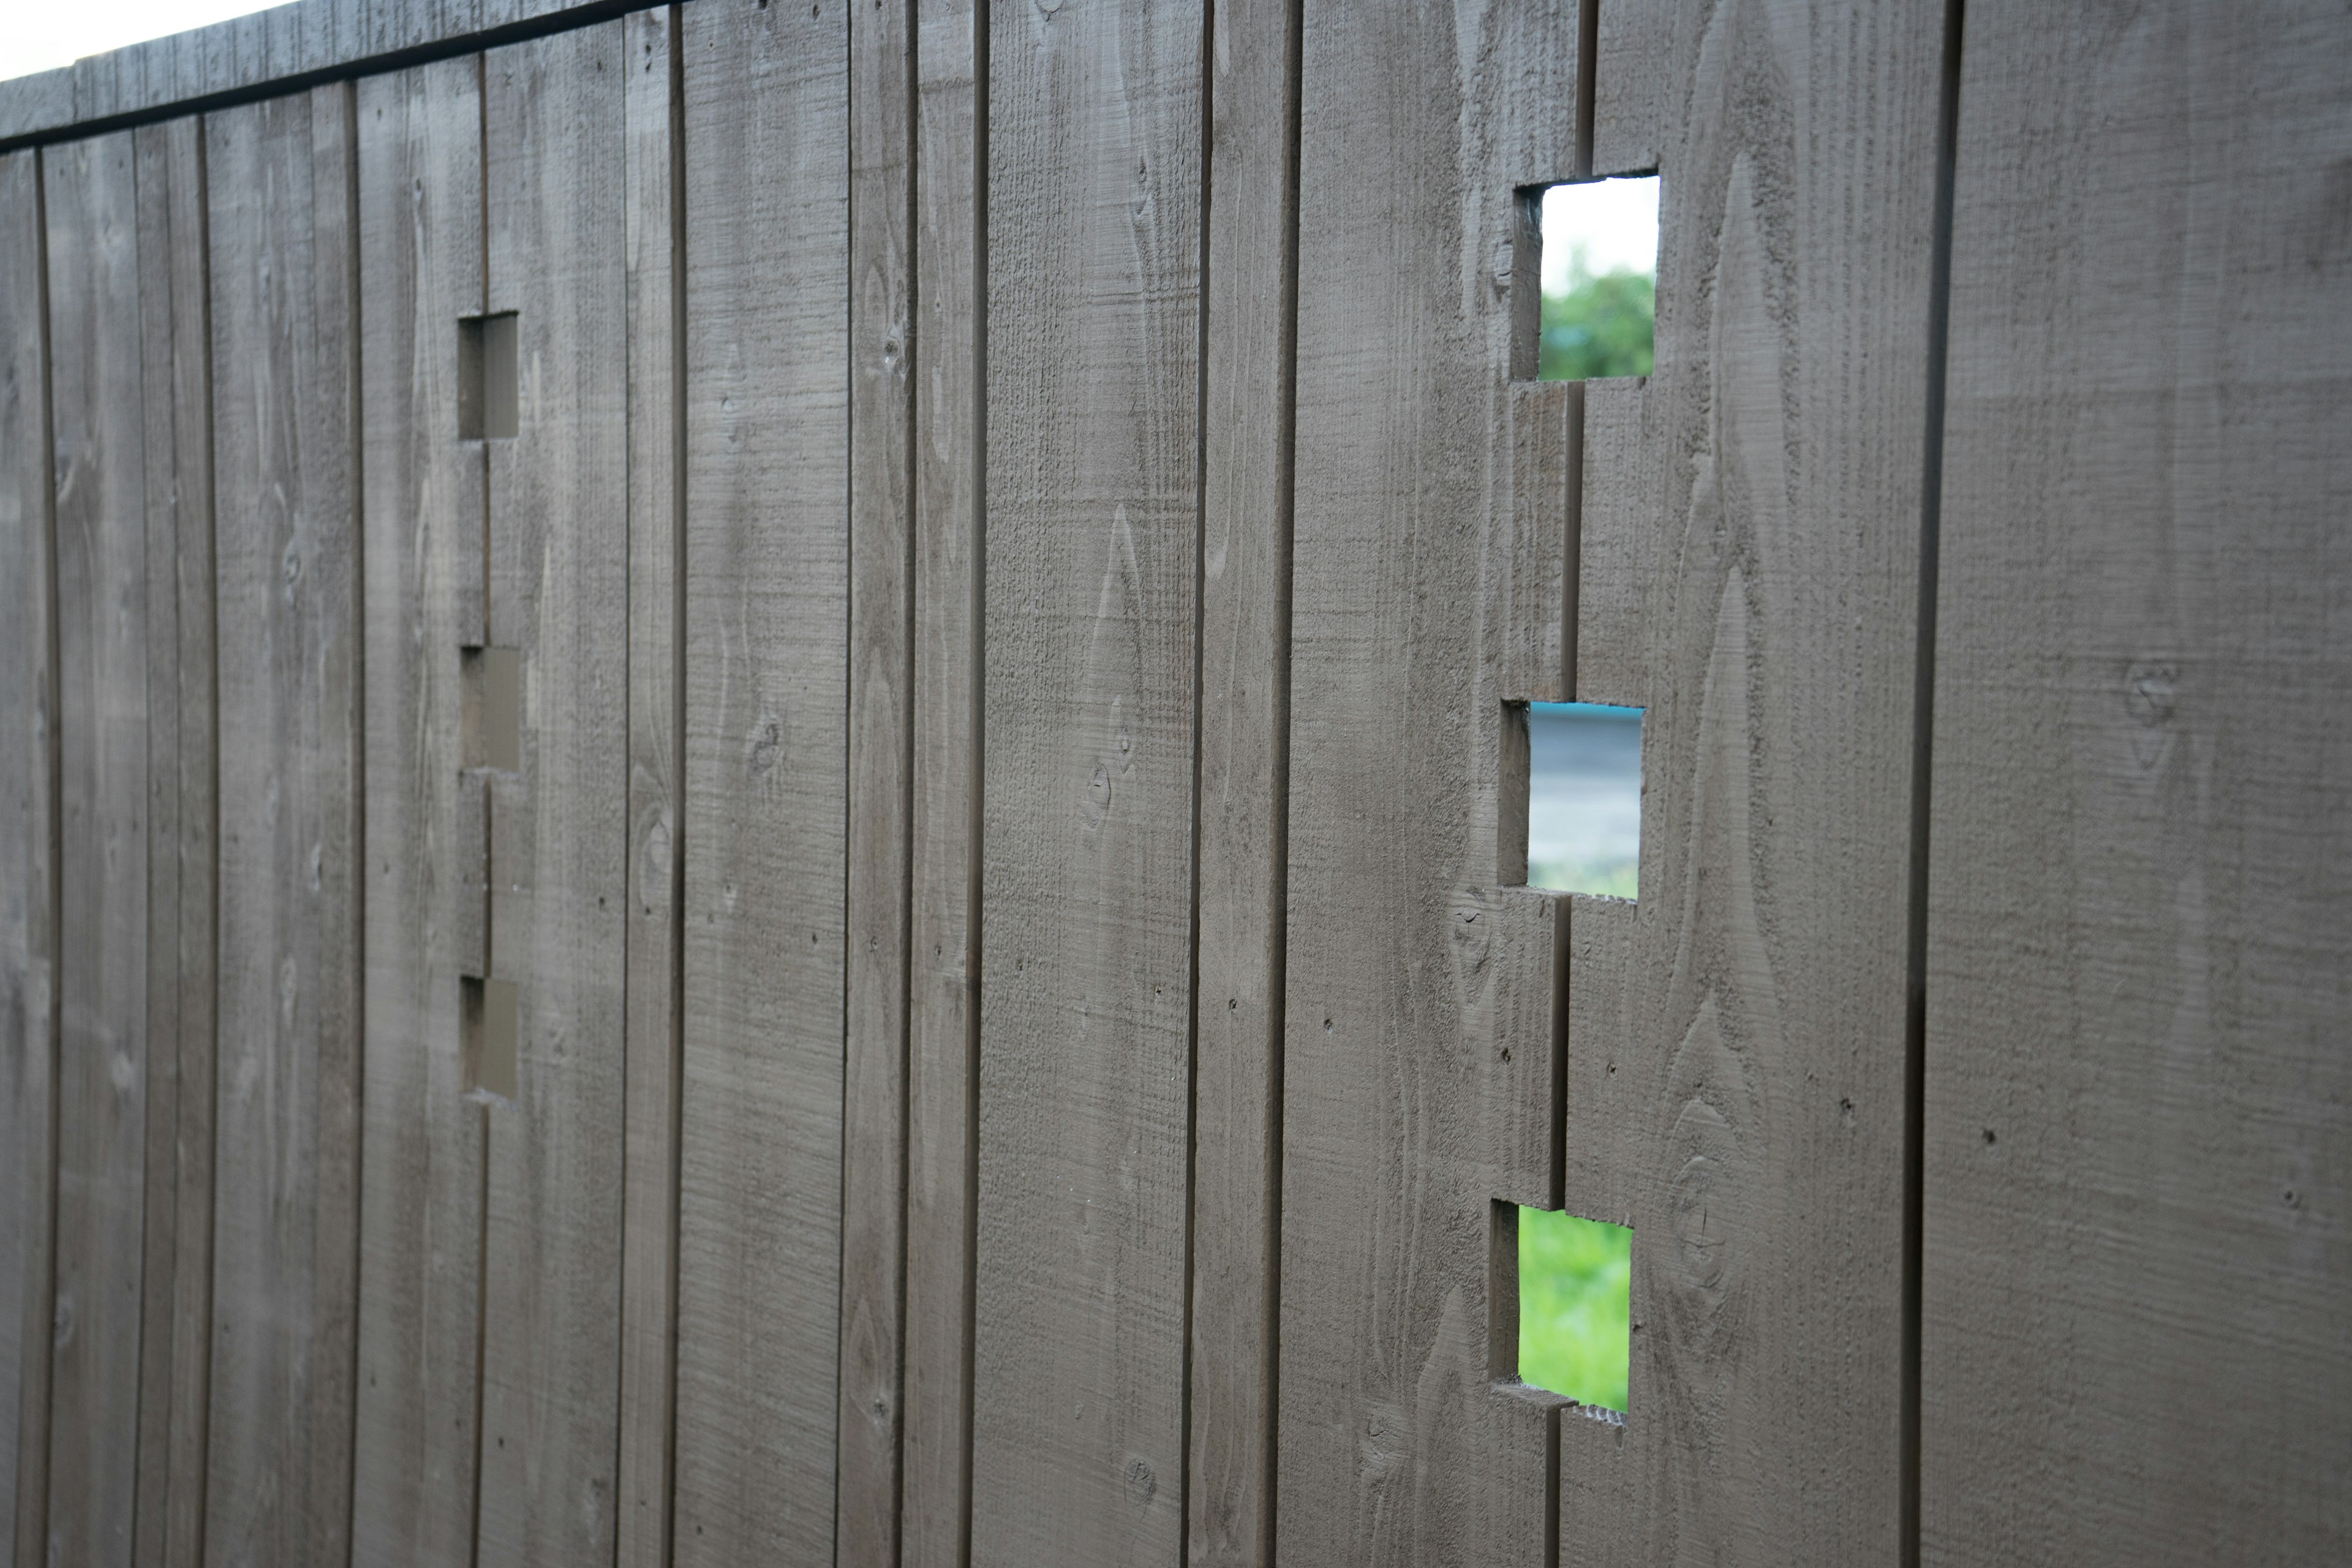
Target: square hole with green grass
(1576,1298)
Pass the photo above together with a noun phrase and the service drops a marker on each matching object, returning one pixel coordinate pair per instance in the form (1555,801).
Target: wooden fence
(763,799)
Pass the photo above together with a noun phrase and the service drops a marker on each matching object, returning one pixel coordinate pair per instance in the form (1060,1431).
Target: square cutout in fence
(1575,1306)
(1599,247)
(489,393)
(491,681)
(1584,798)
(487,1020)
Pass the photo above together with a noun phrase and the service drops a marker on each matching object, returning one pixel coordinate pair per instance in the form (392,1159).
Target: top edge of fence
(282,49)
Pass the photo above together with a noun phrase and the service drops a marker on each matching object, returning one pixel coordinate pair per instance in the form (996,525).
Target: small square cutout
(489,396)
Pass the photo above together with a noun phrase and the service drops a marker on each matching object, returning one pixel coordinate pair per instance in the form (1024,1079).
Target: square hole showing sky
(1600,279)
(1584,798)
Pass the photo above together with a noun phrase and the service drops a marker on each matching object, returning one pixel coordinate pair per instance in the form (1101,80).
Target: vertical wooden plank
(1754,580)
(880,739)
(1245,782)
(178,460)
(28,1005)
(1631,66)
(1095,193)
(1617,544)
(420,270)
(189,683)
(2139,924)
(553,158)
(160,1207)
(942,1000)
(1424,587)
(767,613)
(102,632)
(649,1199)
(287,1135)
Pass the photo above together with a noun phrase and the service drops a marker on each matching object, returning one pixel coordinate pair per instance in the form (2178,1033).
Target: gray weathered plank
(1632,61)
(28,908)
(942,999)
(178,1268)
(100,423)
(881,715)
(420,271)
(1094,203)
(649,1199)
(553,159)
(286,1177)
(2136,1252)
(181,973)
(1772,527)
(1617,545)
(1244,781)
(767,597)
(1429,589)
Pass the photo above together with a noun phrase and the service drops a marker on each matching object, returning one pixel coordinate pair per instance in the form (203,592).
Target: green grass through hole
(1576,1278)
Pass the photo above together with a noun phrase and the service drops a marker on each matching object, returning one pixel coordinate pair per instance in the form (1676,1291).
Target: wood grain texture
(944,935)
(99,423)
(880,739)
(1618,539)
(420,270)
(29,881)
(1245,780)
(2140,960)
(1631,66)
(248,52)
(197,753)
(767,616)
(286,1179)
(1775,513)
(160,1209)
(554,156)
(177,1270)
(1094,201)
(1404,1436)
(649,1198)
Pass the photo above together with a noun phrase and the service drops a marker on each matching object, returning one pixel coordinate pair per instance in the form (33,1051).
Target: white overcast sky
(1614,222)
(40,34)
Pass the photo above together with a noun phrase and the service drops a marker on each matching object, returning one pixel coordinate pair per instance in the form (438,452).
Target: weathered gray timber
(1249,307)
(100,432)
(173,1388)
(421,1258)
(2140,961)
(553,155)
(765,771)
(1396,1446)
(1095,187)
(766,455)
(649,1165)
(881,757)
(943,882)
(29,912)
(285,1257)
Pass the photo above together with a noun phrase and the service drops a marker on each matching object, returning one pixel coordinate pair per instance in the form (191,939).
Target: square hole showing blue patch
(1584,798)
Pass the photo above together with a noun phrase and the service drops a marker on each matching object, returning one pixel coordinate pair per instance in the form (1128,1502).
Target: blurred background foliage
(1601,323)
(1576,1283)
